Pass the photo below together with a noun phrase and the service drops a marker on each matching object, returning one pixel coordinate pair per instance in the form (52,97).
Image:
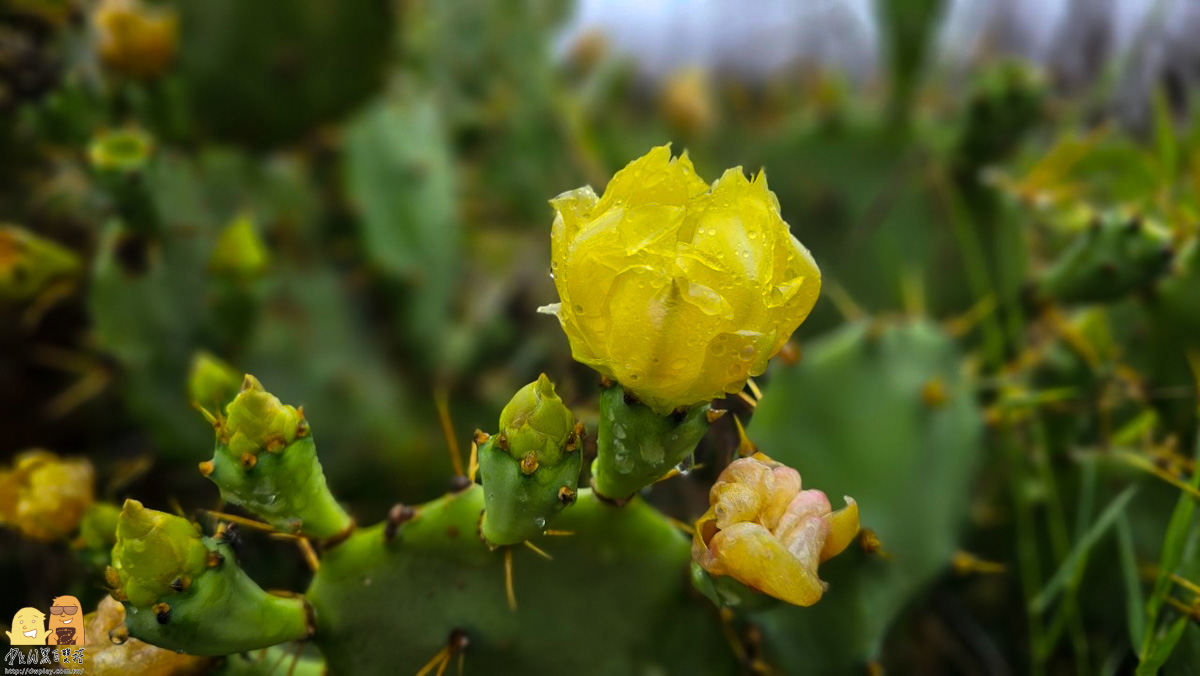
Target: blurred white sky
(752,39)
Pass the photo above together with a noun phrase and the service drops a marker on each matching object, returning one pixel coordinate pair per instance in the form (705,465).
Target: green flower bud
(98,534)
(212,382)
(536,421)
(266,461)
(636,446)
(121,151)
(240,252)
(153,550)
(530,471)
(185,592)
(120,158)
(258,421)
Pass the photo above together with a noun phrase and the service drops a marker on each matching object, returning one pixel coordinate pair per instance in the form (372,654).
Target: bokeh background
(349,200)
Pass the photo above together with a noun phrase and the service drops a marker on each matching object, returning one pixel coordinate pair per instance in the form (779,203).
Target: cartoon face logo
(66,622)
(27,628)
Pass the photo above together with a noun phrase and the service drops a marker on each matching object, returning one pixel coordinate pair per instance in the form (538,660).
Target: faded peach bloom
(765,532)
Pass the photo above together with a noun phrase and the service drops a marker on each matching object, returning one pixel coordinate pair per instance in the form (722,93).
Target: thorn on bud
(215,559)
(481,437)
(397,516)
(181,583)
(276,443)
(606,382)
(162,612)
(529,464)
(206,468)
(566,495)
(502,441)
(712,415)
(111,578)
(249,460)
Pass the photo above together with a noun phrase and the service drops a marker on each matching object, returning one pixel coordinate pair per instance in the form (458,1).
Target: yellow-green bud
(536,420)
(240,251)
(257,420)
(153,551)
(121,151)
(212,382)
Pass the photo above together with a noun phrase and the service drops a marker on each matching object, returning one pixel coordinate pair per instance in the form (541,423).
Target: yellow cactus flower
(766,533)
(678,290)
(44,496)
(136,39)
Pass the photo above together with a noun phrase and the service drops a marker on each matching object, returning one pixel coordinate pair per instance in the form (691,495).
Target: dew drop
(539,522)
(747,352)
(735,370)
(578,308)
(717,349)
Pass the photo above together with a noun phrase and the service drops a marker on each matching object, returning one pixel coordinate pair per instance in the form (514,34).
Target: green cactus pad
(614,599)
(184,591)
(637,447)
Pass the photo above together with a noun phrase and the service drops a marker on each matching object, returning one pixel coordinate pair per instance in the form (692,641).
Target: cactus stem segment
(636,446)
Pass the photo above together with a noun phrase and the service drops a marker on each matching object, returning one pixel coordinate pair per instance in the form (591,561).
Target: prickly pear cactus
(528,572)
